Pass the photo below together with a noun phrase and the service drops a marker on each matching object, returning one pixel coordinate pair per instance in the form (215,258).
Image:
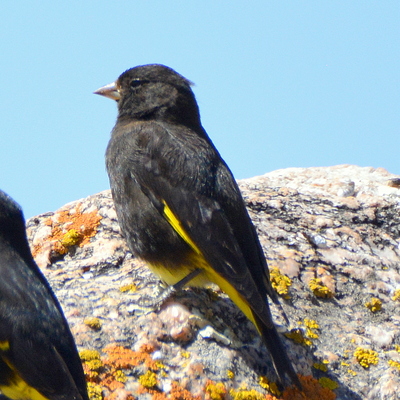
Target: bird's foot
(154,302)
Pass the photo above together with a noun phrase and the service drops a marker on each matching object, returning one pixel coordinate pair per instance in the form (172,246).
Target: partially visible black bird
(38,356)
(177,202)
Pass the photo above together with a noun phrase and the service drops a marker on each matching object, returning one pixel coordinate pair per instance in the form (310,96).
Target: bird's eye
(135,83)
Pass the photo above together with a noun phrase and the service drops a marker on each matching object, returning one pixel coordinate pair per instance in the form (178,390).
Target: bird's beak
(111,91)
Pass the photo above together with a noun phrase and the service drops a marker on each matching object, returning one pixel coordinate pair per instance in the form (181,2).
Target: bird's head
(153,92)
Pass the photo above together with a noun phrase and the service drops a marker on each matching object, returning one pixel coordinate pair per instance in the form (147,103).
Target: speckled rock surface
(335,232)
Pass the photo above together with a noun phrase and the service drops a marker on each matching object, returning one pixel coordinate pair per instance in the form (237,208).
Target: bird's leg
(153,302)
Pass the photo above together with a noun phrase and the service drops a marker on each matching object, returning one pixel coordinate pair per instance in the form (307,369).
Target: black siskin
(38,356)
(178,205)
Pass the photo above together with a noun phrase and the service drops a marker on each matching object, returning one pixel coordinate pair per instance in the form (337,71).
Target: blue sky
(279,84)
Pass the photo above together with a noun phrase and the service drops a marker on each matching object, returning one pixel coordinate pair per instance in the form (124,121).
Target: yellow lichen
(68,228)
(310,323)
(320,366)
(95,392)
(185,354)
(94,365)
(157,366)
(148,380)
(230,374)
(246,394)
(344,364)
(311,334)
(397,348)
(163,374)
(328,383)
(319,289)
(351,372)
(394,364)
(280,282)
(306,334)
(128,288)
(366,357)
(270,386)
(297,336)
(71,238)
(215,391)
(120,376)
(374,304)
(311,326)
(91,364)
(93,323)
(87,355)
(396,295)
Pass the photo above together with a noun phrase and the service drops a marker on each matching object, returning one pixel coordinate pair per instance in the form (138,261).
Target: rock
(335,232)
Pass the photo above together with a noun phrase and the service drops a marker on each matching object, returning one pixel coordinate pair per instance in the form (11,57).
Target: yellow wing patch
(4,345)
(17,388)
(176,224)
(198,261)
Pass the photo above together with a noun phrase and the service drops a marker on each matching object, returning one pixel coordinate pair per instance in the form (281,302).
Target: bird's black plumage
(177,202)
(38,356)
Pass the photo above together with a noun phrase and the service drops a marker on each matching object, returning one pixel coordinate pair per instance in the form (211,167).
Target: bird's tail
(283,366)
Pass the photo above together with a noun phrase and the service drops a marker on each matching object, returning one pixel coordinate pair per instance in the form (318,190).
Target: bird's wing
(198,216)
(30,330)
(37,369)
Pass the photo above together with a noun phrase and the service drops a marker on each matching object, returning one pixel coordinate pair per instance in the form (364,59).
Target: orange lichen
(122,358)
(111,383)
(179,393)
(112,377)
(107,373)
(146,348)
(120,394)
(159,396)
(70,228)
(312,390)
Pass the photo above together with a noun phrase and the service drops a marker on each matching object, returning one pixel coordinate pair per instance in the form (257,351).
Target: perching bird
(177,202)
(38,356)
